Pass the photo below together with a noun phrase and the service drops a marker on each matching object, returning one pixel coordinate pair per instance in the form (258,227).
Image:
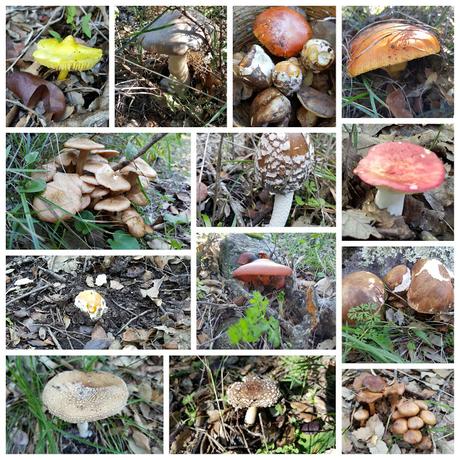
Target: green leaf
(122,240)
(86,223)
(71,11)
(55,35)
(33,186)
(85,27)
(31,157)
(175,219)
(206,220)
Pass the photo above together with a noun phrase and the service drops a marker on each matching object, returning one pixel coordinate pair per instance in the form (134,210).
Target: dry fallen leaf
(356,224)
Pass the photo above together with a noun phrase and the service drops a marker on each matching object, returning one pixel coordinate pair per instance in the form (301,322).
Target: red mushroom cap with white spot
(402,167)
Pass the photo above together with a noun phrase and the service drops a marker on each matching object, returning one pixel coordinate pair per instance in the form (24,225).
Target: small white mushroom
(91,303)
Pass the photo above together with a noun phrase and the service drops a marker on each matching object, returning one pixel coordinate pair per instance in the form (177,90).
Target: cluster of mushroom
(81,177)
(285,33)
(426,288)
(410,417)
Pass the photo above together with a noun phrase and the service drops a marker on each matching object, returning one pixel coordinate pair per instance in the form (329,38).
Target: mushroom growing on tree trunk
(283,163)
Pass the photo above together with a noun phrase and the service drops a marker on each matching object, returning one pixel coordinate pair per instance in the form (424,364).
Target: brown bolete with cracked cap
(431,289)
(319,104)
(283,162)
(270,108)
(360,288)
(82,397)
(398,279)
(256,68)
(252,393)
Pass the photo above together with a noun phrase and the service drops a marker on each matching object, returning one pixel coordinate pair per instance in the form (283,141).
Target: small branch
(153,140)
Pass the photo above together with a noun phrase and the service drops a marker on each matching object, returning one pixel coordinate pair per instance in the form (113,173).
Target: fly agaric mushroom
(390,45)
(174,34)
(84,146)
(252,393)
(398,168)
(256,68)
(282,30)
(66,56)
(317,55)
(82,397)
(283,163)
(270,107)
(398,279)
(263,271)
(361,288)
(287,76)
(91,303)
(431,289)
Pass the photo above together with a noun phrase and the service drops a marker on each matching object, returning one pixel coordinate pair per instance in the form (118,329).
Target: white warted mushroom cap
(78,397)
(253,392)
(284,161)
(176,33)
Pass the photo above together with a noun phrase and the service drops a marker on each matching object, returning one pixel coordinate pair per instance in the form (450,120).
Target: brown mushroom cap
(82,143)
(412,436)
(428,417)
(431,289)
(359,288)
(141,168)
(78,397)
(105,153)
(135,223)
(113,204)
(415,423)
(284,161)
(91,180)
(422,404)
(408,408)
(261,271)
(66,157)
(368,397)
(47,173)
(321,104)
(397,388)
(400,426)
(398,279)
(270,107)
(112,180)
(374,383)
(253,392)
(361,415)
(424,444)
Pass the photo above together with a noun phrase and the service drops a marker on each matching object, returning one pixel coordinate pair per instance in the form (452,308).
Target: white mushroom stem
(390,200)
(83,429)
(281,209)
(250,417)
(178,68)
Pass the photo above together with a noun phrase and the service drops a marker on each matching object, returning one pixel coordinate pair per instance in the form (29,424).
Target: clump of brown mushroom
(286,77)
(409,418)
(82,177)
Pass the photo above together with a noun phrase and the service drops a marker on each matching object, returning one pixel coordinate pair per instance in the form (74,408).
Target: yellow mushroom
(66,56)
(92,303)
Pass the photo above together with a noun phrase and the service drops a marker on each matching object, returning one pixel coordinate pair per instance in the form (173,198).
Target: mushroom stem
(390,200)
(81,160)
(281,209)
(62,75)
(251,414)
(178,68)
(394,71)
(83,429)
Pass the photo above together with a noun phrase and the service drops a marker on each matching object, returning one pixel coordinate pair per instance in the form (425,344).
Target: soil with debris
(434,387)
(203,422)
(305,308)
(82,99)
(426,216)
(148,300)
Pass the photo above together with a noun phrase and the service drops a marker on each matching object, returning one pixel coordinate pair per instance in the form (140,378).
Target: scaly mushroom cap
(263,271)
(282,30)
(57,203)
(113,204)
(401,167)
(91,303)
(389,43)
(175,33)
(287,76)
(78,397)
(431,289)
(284,161)
(398,279)
(359,288)
(253,392)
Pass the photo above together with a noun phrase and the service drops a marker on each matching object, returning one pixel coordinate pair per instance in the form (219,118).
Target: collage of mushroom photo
(224,232)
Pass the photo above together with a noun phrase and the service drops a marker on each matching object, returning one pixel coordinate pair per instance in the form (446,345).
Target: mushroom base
(393,202)
(178,68)
(250,417)
(83,430)
(281,209)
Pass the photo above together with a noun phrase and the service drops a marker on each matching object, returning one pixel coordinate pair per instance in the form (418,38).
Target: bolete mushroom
(390,45)
(399,168)
(82,397)
(317,55)
(283,162)
(431,289)
(91,303)
(270,108)
(398,279)
(256,68)
(84,146)
(282,31)
(252,393)
(287,76)
(319,104)
(174,34)
(361,288)
(66,55)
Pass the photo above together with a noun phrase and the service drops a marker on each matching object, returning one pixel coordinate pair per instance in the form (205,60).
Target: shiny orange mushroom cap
(390,43)
(263,271)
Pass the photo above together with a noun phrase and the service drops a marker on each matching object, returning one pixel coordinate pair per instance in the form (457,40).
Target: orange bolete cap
(263,271)
(282,30)
(390,45)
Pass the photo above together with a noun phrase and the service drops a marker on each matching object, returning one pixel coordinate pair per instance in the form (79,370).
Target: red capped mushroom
(398,168)
(263,272)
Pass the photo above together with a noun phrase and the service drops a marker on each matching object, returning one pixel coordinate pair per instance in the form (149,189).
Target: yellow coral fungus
(66,56)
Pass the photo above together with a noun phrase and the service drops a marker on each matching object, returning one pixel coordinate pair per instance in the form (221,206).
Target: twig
(27,294)
(218,171)
(54,275)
